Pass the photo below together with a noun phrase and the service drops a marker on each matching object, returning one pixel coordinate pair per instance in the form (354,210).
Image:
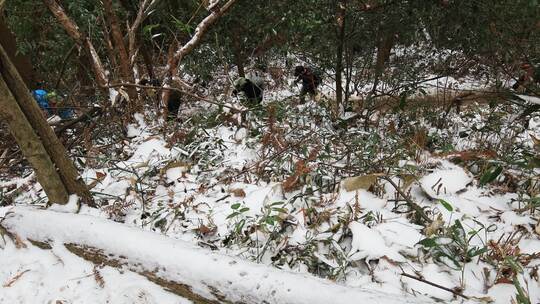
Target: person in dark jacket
(175,98)
(310,81)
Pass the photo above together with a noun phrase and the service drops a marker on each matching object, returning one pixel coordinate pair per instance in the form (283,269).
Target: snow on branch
(201,29)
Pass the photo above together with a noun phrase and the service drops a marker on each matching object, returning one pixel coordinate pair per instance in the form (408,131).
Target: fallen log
(197,274)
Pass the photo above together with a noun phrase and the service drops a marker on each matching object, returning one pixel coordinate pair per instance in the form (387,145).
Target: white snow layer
(180,261)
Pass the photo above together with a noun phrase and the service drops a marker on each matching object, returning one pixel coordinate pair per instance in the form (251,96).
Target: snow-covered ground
(273,193)
(33,275)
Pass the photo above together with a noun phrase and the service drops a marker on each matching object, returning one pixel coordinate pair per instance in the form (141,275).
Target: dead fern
(301,169)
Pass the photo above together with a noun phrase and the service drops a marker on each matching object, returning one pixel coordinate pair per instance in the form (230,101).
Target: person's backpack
(41,98)
(317,76)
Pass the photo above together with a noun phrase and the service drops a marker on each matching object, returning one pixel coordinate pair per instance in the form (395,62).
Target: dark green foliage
(454,245)
(456,37)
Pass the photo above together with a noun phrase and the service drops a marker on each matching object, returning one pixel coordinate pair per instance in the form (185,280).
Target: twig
(419,211)
(435,285)
(15,278)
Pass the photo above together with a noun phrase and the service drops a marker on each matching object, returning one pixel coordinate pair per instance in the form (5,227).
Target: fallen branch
(197,274)
(117,85)
(435,285)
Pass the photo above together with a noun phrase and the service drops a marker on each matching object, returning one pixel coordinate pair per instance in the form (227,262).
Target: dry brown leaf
(408,180)
(203,229)
(175,164)
(437,224)
(100,175)
(360,182)
(238,192)
(98,277)
(15,278)
(18,242)
(483,299)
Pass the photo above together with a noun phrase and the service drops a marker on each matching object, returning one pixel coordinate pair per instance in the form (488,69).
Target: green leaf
(235,206)
(428,242)
(490,175)
(147,29)
(240,225)
(446,205)
(476,251)
(232,215)
(511,261)
(243,210)
(270,220)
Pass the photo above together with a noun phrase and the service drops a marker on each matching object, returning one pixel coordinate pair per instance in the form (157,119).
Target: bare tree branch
(200,31)
(145,8)
(82,40)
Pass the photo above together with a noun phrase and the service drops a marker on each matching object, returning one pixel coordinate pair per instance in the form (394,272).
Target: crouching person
(530,77)
(251,87)
(60,106)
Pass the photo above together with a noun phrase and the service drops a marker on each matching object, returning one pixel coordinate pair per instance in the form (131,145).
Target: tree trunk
(126,73)
(31,146)
(147,58)
(176,56)
(200,275)
(55,149)
(383,54)
(237,50)
(341,11)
